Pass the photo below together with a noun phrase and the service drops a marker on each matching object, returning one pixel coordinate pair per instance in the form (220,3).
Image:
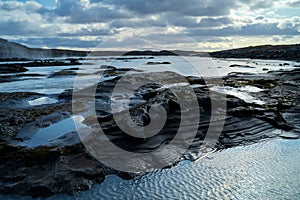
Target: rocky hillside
(9,50)
(280,52)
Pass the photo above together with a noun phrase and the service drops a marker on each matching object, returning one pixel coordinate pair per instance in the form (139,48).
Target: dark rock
(73,69)
(289,135)
(241,66)
(64,167)
(11,51)
(63,73)
(195,80)
(48,172)
(108,67)
(16,68)
(132,58)
(150,53)
(36,63)
(158,63)
(276,52)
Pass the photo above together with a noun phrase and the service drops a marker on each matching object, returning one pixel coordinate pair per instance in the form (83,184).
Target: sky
(200,25)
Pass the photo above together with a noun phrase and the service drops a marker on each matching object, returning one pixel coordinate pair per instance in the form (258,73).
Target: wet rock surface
(65,72)
(158,63)
(40,63)
(241,66)
(8,68)
(64,167)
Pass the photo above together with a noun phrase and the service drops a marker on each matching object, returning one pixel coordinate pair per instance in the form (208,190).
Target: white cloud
(210,21)
(293,22)
(15,5)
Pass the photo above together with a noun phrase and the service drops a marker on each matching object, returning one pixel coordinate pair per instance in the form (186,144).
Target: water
(45,135)
(188,66)
(42,101)
(241,93)
(266,170)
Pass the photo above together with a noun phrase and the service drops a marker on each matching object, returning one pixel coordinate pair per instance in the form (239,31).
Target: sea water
(266,170)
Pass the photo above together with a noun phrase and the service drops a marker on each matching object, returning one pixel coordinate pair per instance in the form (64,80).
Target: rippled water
(267,170)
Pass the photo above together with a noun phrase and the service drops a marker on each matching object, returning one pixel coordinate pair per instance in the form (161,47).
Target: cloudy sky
(166,24)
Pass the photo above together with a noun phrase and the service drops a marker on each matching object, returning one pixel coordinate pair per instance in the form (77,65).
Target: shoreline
(16,52)
(259,122)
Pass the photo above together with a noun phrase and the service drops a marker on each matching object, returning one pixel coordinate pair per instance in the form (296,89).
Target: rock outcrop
(67,167)
(279,52)
(11,50)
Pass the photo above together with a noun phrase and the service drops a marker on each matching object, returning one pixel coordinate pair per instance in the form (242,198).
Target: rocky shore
(21,67)
(276,52)
(14,51)
(65,166)
(11,51)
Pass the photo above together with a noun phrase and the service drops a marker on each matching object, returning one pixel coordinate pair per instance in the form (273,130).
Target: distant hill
(280,52)
(10,50)
(165,53)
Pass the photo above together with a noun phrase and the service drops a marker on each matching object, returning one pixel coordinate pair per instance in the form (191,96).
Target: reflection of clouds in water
(241,93)
(239,172)
(45,135)
(42,101)
(206,66)
(249,88)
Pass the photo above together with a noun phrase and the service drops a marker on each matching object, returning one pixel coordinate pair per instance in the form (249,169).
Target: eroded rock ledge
(68,167)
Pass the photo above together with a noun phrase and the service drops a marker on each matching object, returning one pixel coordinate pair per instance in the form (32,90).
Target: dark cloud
(262,4)
(167,20)
(59,42)
(162,20)
(183,21)
(77,13)
(259,18)
(140,23)
(187,7)
(168,39)
(66,7)
(258,4)
(70,20)
(215,22)
(294,4)
(191,22)
(247,30)
(217,40)
(276,39)
(24,28)
(89,32)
